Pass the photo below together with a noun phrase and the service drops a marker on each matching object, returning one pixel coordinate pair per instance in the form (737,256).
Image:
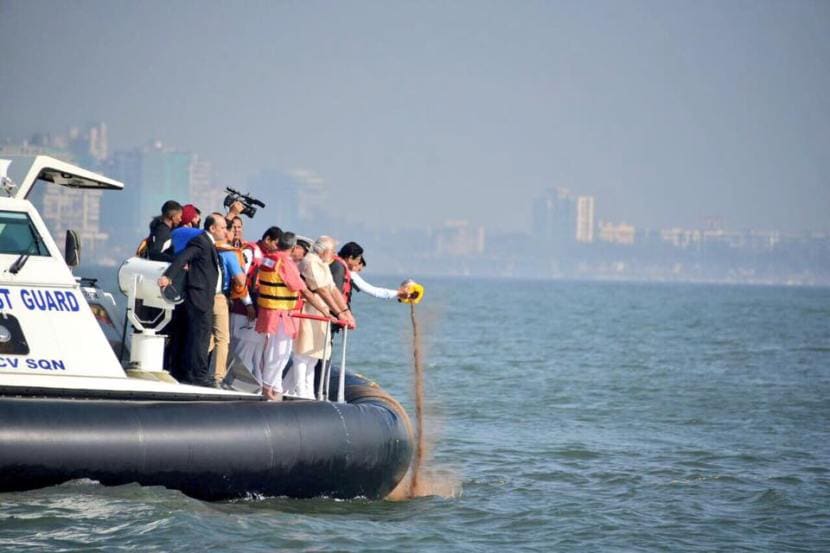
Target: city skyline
(89,145)
(415,114)
(567,240)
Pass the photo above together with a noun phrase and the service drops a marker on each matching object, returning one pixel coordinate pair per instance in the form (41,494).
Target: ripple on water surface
(575,417)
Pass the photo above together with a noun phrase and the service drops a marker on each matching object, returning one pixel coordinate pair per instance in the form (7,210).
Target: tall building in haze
(151,176)
(295,200)
(312,194)
(64,208)
(554,218)
(203,192)
(280,193)
(585,219)
(165,175)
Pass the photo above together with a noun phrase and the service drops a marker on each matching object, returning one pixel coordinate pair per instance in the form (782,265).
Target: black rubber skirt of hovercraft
(210,450)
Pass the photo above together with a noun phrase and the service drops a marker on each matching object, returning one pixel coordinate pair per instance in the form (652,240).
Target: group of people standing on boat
(267,304)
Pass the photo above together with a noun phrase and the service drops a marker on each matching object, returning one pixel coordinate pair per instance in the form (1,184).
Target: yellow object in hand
(414,292)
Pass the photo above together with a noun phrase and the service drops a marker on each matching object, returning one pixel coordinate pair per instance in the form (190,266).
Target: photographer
(240,204)
(235,209)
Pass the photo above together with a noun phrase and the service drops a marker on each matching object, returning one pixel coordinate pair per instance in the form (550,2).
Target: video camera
(247,201)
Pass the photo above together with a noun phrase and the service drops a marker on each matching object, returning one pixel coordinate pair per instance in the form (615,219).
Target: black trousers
(196,344)
(174,353)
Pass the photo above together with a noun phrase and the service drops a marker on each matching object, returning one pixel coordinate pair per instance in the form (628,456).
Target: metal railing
(325,374)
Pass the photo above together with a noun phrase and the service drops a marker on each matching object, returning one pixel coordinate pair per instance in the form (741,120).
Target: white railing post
(341,378)
(320,396)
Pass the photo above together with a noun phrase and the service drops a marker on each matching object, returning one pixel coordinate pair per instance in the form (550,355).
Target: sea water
(561,417)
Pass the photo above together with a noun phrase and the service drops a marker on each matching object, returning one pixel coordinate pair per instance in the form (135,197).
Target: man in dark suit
(202,283)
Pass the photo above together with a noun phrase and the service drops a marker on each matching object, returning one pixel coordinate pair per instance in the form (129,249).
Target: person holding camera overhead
(240,204)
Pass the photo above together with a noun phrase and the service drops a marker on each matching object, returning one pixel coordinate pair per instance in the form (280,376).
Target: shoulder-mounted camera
(248,201)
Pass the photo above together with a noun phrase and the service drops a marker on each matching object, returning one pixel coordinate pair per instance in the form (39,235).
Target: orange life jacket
(238,291)
(143,249)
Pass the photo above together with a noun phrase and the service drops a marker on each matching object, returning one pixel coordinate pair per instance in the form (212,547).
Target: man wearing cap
(299,251)
(177,328)
(188,229)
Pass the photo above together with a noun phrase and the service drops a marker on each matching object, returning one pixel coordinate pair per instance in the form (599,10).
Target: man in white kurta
(311,344)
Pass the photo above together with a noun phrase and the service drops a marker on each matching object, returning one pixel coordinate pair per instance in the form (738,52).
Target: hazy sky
(416,112)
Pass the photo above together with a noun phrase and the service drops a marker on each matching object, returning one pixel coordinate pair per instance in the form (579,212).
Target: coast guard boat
(69,409)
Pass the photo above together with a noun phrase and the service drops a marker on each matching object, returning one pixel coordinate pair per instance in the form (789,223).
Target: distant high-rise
(281,196)
(98,142)
(312,193)
(151,176)
(554,217)
(165,175)
(89,147)
(295,200)
(61,207)
(202,192)
(585,219)
(78,210)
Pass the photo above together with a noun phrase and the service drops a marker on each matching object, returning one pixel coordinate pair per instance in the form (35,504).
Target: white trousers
(275,357)
(247,344)
(238,322)
(299,382)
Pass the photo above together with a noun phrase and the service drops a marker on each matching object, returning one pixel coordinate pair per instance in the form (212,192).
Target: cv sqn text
(27,363)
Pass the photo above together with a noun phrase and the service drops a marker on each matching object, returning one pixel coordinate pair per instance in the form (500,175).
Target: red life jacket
(256,259)
(255,253)
(347,279)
